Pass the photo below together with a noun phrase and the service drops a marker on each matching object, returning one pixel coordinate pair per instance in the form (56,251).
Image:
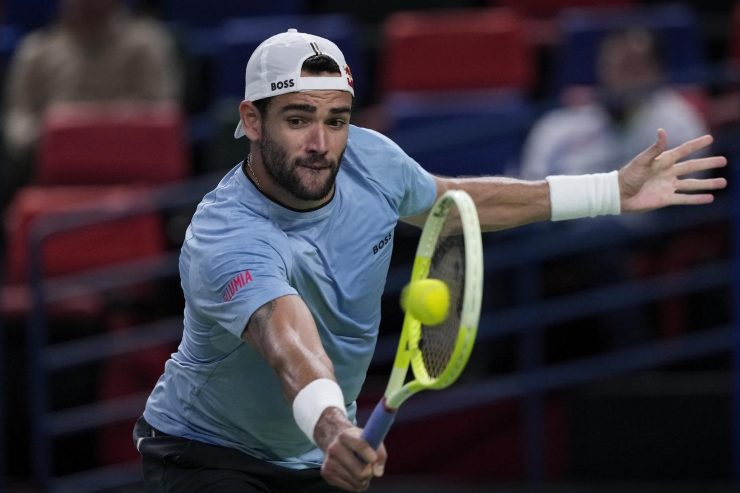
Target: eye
(295,121)
(337,122)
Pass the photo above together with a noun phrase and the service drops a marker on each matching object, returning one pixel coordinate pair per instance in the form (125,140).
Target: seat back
(197,14)
(461,136)
(88,247)
(551,8)
(456,50)
(105,144)
(29,14)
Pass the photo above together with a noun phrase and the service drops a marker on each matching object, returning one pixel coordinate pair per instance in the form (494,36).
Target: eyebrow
(312,109)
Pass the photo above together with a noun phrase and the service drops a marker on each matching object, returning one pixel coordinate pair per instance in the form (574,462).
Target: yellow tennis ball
(427,300)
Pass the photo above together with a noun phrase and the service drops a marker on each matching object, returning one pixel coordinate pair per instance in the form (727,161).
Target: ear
(251,120)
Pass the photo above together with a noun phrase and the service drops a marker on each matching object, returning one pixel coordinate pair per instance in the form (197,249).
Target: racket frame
(408,353)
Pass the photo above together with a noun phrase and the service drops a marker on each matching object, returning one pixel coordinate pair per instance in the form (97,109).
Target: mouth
(315,163)
(315,168)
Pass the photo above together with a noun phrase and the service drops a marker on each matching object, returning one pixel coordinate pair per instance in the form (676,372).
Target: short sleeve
(420,188)
(410,187)
(228,283)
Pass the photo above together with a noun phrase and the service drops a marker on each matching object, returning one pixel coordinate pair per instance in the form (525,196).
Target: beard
(303,177)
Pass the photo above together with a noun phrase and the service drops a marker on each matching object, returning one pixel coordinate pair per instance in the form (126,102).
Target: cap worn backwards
(275,68)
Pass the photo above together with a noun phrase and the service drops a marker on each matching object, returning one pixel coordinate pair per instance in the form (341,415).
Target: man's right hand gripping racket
(449,250)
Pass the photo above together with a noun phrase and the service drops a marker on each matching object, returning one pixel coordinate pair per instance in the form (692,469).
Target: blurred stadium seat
(375,12)
(85,248)
(210,14)
(456,86)
(551,8)
(29,14)
(104,144)
(93,156)
(461,135)
(455,50)
(675,27)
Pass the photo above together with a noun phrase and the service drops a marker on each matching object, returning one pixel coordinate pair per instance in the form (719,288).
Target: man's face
(304,136)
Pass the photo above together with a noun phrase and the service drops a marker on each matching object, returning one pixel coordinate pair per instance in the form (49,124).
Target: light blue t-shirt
(243,250)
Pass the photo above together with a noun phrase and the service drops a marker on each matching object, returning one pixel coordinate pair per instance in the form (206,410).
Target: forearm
(503,202)
(284,333)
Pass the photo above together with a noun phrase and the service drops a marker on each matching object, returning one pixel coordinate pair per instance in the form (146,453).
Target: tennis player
(283,267)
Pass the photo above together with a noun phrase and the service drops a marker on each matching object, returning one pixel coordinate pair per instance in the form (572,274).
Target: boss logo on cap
(282,84)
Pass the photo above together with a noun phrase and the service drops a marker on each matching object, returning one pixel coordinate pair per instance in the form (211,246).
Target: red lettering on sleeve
(238,282)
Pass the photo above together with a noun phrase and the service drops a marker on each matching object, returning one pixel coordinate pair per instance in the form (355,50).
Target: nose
(317,140)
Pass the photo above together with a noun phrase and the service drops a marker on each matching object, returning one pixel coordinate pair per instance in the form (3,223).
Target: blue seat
(199,14)
(463,135)
(237,39)
(674,26)
(29,14)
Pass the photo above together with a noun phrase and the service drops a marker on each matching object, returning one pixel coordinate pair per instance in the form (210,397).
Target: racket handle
(378,424)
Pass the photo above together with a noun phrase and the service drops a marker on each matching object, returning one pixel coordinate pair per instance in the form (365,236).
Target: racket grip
(378,424)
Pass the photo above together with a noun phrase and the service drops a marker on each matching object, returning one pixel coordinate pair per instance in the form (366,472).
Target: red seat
(75,250)
(551,8)
(482,49)
(83,248)
(95,162)
(103,144)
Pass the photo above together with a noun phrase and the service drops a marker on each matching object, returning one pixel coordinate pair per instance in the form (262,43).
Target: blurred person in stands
(615,124)
(594,135)
(96,51)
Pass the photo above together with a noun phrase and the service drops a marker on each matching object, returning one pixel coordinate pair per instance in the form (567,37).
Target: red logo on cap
(350,81)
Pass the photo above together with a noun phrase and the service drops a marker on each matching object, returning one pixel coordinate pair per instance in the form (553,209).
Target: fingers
(688,147)
(693,185)
(654,150)
(379,467)
(351,463)
(697,165)
(692,199)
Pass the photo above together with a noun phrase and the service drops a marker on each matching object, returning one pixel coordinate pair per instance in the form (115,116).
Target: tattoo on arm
(261,317)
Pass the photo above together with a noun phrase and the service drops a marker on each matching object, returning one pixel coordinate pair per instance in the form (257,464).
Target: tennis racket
(450,250)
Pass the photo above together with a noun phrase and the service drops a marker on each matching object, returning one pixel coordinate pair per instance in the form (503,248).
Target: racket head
(450,249)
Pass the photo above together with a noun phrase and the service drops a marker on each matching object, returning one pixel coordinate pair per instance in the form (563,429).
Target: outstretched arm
(285,334)
(655,178)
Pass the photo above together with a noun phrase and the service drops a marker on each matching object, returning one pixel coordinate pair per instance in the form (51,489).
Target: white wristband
(572,197)
(311,401)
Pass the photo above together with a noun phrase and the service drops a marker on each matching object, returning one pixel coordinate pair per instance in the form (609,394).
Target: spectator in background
(95,52)
(631,99)
(597,135)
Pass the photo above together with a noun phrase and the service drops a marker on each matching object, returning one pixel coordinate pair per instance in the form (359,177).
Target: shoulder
(669,100)
(37,43)
(374,152)
(381,164)
(146,34)
(561,123)
(580,115)
(365,140)
(226,232)
(231,208)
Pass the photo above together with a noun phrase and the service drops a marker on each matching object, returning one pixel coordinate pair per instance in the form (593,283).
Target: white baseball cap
(275,68)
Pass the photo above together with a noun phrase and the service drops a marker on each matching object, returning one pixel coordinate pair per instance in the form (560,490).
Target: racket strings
(437,342)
